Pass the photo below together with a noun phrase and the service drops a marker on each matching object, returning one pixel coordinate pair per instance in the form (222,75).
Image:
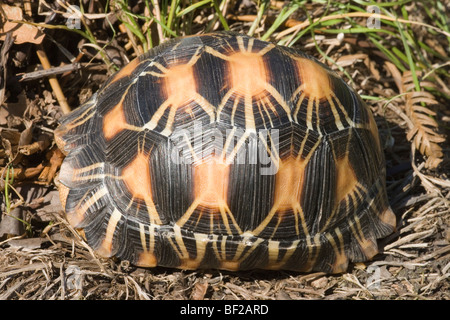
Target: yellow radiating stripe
(233,263)
(77,173)
(235,107)
(90,168)
(317,105)
(201,241)
(225,212)
(186,216)
(337,117)
(341,260)
(309,110)
(206,106)
(289,251)
(298,105)
(225,99)
(298,212)
(266,49)
(241,45)
(311,248)
(265,222)
(356,228)
(81,210)
(249,114)
(242,245)
(143,237)
(216,53)
(147,257)
(250,45)
(230,158)
(152,233)
(273,248)
(106,246)
(276,95)
(181,250)
(228,141)
(302,146)
(157,115)
(299,89)
(74,124)
(221,256)
(273,152)
(223,248)
(368,247)
(261,103)
(342,108)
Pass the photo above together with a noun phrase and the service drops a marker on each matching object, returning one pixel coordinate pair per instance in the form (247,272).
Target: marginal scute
(369,247)
(63,194)
(106,247)
(147,260)
(340,264)
(229,265)
(275,261)
(388,217)
(60,142)
(341,260)
(76,216)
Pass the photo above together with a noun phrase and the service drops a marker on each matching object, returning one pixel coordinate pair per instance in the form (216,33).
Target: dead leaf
(55,157)
(21,32)
(4,52)
(28,243)
(373,70)
(320,283)
(424,134)
(351,59)
(395,74)
(199,291)
(26,135)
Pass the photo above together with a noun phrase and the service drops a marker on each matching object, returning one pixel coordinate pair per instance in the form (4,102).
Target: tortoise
(223,151)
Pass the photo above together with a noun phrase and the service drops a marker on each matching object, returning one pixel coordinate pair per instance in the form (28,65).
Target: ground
(42,257)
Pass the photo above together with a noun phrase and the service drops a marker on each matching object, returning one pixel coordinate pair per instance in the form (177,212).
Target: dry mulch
(42,257)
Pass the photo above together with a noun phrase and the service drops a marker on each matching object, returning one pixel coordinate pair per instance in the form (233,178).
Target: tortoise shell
(224,151)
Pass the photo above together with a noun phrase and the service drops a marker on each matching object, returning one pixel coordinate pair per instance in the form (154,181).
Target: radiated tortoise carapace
(224,151)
